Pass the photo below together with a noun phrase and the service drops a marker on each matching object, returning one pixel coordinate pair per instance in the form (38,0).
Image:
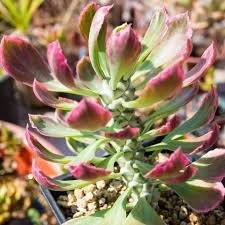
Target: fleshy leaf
(200,195)
(109,162)
(59,66)
(143,167)
(126,133)
(49,99)
(173,105)
(87,172)
(211,166)
(170,125)
(94,219)
(63,185)
(213,136)
(163,86)
(203,65)
(204,115)
(123,49)
(42,152)
(41,178)
(96,41)
(175,38)
(118,212)
(191,145)
(88,116)
(175,41)
(155,32)
(86,18)
(176,162)
(49,127)
(188,173)
(89,152)
(22,61)
(143,214)
(87,75)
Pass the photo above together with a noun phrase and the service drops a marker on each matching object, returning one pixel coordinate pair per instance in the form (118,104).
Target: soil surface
(171,208)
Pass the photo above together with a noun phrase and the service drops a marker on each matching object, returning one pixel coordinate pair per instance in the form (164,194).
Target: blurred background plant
(18,13)
(20,199)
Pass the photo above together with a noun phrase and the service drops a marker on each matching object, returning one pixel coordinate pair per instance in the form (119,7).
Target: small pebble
(100,184)
(183,212)
(78,193)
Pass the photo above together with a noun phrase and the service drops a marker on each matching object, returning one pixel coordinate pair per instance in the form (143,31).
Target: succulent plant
(121,76)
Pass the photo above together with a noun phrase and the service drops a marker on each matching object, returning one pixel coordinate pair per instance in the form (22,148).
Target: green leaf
(56,86)
(143,167)
(172,105)
(96,41)
(117,214)
(89,152)
(174,42)
(204,115)
(143,214)
(49,127)
(202,196)
(67,185)
(155,32)
(109,162)
(95,219)
(75,146)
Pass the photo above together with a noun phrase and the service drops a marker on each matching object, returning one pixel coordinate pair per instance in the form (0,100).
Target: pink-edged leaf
(86,17)
(188,173)
(173,105)
(60,116)
(195,144)
(96,41)
(22,61)
(206,60)
(211,166)
(204,115)
(49,99)
(48,126)
(175,41)
(61,185)
(41,178)
(88,116)
(59,66)
(39,150)
(165,85)
(123,49)
(176,162)
(201,196)
(213,135)
(155,32)
(87,172)
(126,133)
(170,125)
(87,75)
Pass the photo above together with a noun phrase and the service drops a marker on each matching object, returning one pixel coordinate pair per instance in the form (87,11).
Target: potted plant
(120,76)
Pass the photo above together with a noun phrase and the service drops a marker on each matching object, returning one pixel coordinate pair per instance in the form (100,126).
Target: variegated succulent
(123,75)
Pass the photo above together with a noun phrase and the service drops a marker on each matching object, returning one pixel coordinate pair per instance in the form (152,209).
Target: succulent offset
(122,76)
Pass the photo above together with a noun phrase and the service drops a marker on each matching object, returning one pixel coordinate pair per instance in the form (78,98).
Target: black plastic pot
(51,197)
(8,102)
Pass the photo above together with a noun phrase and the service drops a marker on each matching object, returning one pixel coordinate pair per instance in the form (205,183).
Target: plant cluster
(122,76)
(18,13)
